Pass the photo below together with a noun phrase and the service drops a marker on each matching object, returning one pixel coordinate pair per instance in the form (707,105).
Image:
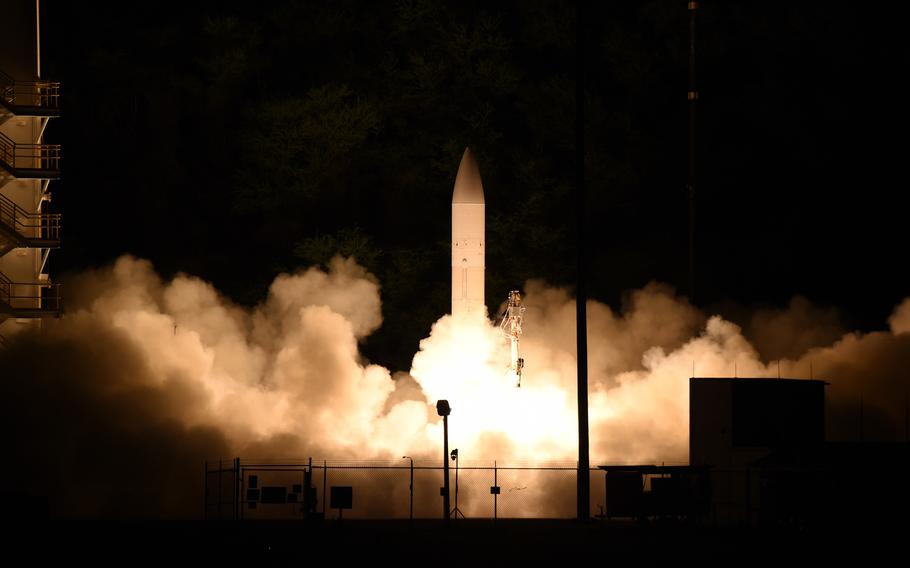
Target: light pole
(443,409)
(411,486)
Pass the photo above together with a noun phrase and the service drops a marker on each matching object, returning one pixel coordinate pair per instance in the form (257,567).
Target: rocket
(468,259)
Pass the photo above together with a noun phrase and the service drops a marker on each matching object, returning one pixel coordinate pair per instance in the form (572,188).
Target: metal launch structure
(511,329)
(28,232)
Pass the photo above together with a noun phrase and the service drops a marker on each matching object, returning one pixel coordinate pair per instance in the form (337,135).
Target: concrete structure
(468,234)
(28,232)
(734,423)
(759,457)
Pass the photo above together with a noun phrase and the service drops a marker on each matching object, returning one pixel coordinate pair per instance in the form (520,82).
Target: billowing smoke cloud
(115,407)
(119,403)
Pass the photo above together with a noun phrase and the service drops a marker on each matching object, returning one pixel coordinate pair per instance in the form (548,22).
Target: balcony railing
(44,226)
(29,297)
(43,157)
(44,94)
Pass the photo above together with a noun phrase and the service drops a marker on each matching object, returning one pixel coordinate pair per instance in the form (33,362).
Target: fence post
(220,489)
(238,510)
(307,482)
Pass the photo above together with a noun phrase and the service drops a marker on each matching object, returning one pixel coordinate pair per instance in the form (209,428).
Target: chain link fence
(402,489)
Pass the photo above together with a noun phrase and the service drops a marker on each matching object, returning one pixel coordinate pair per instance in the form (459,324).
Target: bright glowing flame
(466,360)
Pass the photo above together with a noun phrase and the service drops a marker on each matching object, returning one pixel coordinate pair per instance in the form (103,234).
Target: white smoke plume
(142,379)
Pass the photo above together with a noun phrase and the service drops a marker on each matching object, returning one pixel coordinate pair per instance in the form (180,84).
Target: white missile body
(468,233)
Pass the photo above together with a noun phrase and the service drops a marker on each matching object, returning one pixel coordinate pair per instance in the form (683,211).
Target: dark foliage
(234,142)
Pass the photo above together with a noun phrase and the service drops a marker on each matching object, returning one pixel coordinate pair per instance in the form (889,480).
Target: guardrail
(29,156)
(29,225)
(42,296)
(45,94)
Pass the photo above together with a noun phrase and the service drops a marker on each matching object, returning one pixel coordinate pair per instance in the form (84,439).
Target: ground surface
(400,543)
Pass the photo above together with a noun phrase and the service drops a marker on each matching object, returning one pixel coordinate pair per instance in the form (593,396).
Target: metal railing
(45,94)
(30,225)
(42,296)
(29,156)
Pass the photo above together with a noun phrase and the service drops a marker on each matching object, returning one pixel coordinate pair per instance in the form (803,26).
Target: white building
(28,232)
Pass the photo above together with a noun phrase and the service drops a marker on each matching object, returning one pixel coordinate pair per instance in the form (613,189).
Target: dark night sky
(234,143)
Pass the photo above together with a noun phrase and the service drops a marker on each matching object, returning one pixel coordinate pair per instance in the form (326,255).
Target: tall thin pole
(581,320)
(456,511)
(445,467)
(690,185)
(38,39)
(496,493)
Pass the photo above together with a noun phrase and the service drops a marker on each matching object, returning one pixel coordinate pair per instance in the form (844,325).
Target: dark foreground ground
(429,543)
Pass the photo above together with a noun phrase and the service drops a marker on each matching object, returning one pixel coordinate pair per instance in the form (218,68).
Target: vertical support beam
(584,470)
(38,39)
(445,466)
(690,183)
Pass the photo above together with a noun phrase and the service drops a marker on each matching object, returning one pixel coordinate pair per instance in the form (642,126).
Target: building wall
(18,45)
(733,423)
(19,60)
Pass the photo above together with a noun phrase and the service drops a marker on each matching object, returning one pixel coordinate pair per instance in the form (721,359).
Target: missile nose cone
(468,187)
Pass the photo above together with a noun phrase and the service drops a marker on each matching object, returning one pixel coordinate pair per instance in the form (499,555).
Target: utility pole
(443,409)
(690,185)
(410,488)
(581,318)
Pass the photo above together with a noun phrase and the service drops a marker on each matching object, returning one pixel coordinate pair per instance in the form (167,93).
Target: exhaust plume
(116,405)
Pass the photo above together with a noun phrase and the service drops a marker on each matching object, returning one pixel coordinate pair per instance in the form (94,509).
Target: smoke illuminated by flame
(178,371)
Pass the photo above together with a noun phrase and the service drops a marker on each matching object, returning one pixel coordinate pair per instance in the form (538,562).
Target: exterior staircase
(28,299)
(28,98)
(20,227)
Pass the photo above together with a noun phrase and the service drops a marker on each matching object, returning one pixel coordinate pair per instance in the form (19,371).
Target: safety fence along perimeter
(272,490)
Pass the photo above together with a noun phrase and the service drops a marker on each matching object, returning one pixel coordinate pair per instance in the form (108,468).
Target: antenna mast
(690,185)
